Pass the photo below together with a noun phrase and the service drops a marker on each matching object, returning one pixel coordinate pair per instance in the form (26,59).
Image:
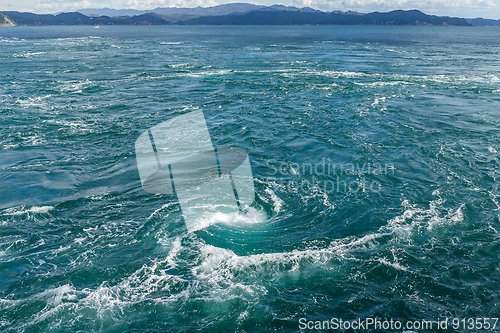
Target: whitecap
(208,73)
(248,216)
(21,210)
(277,202)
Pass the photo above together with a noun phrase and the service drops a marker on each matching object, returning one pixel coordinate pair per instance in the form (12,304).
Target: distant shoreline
(253,17)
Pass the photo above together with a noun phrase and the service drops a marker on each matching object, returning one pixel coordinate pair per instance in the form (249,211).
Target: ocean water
(375,154)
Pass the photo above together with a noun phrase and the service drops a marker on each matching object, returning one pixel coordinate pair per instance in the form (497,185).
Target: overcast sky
(461,8)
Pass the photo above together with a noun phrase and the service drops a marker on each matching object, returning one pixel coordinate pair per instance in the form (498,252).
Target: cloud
(305,3)
(55,6)
(151,4)
(462,8)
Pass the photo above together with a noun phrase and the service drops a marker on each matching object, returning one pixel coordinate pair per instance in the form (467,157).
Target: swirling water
(410,115)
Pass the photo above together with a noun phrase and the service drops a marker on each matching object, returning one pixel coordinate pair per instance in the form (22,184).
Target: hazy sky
(461,8)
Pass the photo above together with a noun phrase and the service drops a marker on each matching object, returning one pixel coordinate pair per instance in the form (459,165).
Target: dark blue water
(375,153)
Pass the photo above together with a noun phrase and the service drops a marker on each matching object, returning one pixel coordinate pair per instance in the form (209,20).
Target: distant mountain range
(232,8)
(481,22)
(397,17)
(233,14)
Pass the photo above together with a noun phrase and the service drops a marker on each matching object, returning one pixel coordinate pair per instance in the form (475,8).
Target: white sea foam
(393,264)
(21,210)
(174,252)
(223,261)
(208,73)
(336,74)
(247,217)
(378,100)
(75,86)
(277,202)
(181,65)
(74,126)
(27,54)
(157,211)
(38,101)
(56,295)
(415,218)
(11,40)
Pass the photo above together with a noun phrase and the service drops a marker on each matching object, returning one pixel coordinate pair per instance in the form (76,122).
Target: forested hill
(397,17)
(256,17)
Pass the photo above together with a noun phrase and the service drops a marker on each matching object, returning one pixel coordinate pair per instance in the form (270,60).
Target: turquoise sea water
(399,218)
